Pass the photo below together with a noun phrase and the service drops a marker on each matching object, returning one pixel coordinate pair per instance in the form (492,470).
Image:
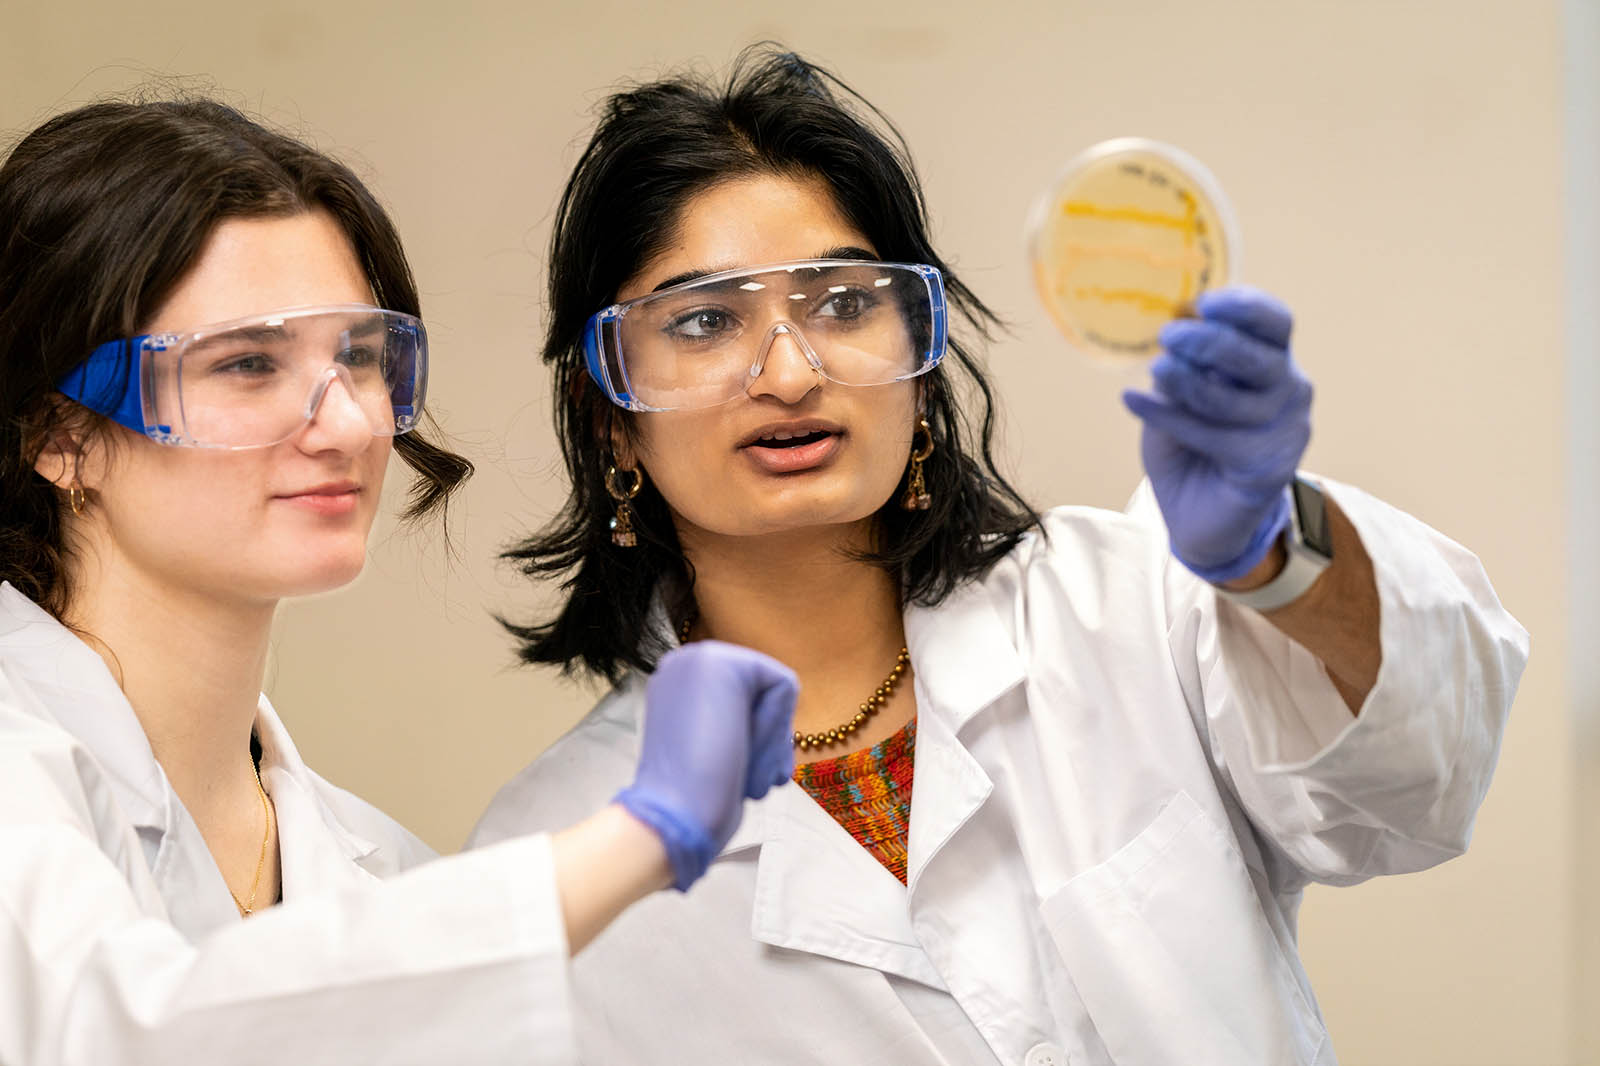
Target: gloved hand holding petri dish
(1130,234)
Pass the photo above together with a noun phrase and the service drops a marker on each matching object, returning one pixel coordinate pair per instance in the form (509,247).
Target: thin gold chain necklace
(247,909)
(839,733)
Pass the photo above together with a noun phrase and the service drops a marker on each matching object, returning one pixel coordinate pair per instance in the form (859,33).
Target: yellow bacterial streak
(1185,222)
(1188,224)
(1140,298)
(1076,251)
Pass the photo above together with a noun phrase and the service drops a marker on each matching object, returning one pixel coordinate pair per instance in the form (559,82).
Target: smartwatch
(1308,547)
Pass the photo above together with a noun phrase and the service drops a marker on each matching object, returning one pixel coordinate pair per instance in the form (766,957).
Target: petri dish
(1129,235)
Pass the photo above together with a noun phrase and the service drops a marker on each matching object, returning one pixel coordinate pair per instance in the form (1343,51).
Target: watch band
(1308,551)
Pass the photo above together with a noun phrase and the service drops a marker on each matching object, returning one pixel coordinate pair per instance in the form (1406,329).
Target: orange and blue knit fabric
(869,793)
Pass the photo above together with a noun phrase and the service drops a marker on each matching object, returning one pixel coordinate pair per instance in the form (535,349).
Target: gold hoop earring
(622,532)
(76,497)
(917,497)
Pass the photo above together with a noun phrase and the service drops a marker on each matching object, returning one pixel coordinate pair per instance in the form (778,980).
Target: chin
(791,515)
(309,576)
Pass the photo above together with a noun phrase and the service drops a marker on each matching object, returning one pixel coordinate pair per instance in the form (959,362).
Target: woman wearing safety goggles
(209,344)
(1061,791)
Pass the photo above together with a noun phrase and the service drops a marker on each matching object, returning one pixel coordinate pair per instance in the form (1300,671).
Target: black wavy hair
(656,146)
(103,211)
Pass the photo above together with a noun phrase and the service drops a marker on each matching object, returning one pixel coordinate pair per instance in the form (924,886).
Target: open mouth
(781,439)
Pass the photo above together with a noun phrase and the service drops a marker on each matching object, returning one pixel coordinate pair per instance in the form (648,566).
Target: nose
(335,420)
(786,368)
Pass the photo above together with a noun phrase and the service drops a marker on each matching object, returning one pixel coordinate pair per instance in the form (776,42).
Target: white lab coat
(1122,785)
(119,942)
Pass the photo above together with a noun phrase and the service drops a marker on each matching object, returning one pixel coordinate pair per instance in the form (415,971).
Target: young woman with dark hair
(208,340)
(1134,738)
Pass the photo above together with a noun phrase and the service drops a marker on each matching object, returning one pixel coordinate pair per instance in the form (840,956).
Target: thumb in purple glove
(718,729)
(1224,430)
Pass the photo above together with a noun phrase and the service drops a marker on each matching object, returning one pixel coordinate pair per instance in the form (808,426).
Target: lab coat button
(1045,1055)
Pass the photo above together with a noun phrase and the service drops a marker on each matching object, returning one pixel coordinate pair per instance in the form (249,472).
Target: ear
(73,450)
(622,448)
(58,461)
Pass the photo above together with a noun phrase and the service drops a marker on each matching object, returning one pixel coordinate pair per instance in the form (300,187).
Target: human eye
(846,303)
(700,324)
(360,357)
(243,365)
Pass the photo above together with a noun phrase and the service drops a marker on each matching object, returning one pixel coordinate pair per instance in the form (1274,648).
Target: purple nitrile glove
(1224,430)
(718,729)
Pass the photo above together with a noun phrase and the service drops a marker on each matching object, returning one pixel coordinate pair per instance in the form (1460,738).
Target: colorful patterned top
(869,793)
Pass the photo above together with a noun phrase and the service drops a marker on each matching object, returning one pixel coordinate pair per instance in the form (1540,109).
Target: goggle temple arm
(595,361)
(938,342)
(108,382)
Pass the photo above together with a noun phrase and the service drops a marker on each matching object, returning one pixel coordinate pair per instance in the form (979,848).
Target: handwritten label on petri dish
(1129,236)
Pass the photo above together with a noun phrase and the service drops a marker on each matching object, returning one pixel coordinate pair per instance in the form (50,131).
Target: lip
(797,459)
(794,426)
(328,498)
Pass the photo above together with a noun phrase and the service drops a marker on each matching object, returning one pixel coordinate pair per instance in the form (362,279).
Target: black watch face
(1312,514)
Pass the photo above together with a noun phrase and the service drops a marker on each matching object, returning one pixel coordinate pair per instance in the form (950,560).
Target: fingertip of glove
(1251,310)
(1181,331)
(1141,403)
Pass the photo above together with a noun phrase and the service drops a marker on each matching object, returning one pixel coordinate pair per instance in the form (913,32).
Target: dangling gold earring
(76,497)
(917,497)
(622,534)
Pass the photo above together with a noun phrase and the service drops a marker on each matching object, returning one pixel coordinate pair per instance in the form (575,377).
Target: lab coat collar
(805,858)
(77,688)
(961,650)
(962,654)
(819,891)
(84,698)
(964,661)
(280,760)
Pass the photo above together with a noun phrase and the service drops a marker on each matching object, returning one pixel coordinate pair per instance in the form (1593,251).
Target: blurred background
(1417,178)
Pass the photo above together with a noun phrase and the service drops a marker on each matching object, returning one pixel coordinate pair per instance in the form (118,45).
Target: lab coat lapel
(819,891)
(74,685)
(317,851)
(78,690)
(970,897)
(964,661)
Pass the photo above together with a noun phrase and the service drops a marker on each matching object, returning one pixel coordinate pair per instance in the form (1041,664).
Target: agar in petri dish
(1129,235)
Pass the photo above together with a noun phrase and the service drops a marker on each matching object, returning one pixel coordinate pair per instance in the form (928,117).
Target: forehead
(249,266)
(748,221)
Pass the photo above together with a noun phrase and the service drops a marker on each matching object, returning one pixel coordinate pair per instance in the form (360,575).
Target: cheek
(184,501)
(886,429)
(675,453)
(888,455)
(375,463)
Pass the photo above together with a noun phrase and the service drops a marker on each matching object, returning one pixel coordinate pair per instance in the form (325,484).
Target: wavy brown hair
(103,211)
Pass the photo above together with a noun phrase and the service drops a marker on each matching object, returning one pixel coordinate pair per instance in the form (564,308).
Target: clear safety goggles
(704,342)
(254,382)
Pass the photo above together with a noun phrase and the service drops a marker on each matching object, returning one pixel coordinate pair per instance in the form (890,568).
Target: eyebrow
(248,334)
(365,326)
(842,251)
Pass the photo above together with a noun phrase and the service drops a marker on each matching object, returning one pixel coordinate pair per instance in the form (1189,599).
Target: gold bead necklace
(864,714)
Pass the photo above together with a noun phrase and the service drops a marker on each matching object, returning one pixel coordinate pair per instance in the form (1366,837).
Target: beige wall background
(1398,172)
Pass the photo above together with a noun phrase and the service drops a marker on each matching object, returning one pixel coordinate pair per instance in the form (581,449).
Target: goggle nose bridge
(320,385)
(785,329)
